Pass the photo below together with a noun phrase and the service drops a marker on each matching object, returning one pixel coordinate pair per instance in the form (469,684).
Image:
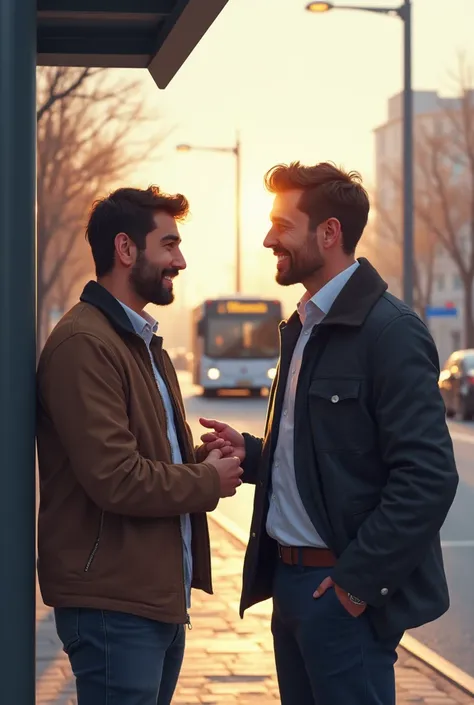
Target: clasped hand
(224,448)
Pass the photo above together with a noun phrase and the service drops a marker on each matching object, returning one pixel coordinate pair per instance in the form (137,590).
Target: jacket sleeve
(253,453)
(81,390)
(417,450)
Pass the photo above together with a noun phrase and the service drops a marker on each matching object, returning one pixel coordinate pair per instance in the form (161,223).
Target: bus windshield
(236,336)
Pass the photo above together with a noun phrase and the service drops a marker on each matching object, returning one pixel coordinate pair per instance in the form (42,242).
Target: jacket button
(384,591)
(253,534)
(335,399)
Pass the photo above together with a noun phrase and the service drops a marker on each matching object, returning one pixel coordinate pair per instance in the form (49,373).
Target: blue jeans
(120,659)
(324,656)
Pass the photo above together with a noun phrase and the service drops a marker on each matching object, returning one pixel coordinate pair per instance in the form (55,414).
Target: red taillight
(470,381)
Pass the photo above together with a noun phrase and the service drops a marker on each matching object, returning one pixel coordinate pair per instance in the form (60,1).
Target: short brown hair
(128,210)
(328,192)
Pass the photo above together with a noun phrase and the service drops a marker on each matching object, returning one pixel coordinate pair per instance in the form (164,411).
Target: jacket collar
(96,295)
(356,300)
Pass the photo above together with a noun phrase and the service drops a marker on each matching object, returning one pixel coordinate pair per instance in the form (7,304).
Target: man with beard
(122,526)
(355,474)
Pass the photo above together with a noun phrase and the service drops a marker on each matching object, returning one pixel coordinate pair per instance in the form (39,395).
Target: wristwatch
(355,600)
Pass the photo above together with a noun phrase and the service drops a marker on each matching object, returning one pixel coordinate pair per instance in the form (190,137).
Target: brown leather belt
(307,556)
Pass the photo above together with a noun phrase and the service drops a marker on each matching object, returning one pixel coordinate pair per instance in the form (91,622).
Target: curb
(437,663)
(423,653)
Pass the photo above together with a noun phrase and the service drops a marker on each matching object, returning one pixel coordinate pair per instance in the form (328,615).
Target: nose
(270,240)
(179,262)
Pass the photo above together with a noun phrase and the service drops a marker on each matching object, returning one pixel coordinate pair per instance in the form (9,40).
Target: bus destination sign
(242,307)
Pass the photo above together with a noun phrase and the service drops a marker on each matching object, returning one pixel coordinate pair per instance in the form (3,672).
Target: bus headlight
(213,373)
(271,373)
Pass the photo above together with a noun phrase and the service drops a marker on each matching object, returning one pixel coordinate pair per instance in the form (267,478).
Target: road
(452,636)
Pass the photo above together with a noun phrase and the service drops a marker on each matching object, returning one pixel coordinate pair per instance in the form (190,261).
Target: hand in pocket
(343,597)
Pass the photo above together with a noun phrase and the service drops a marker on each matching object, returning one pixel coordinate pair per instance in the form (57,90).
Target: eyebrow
(276,219)
(171,237)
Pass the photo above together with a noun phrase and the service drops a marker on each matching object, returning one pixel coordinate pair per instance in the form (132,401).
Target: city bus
(235,344)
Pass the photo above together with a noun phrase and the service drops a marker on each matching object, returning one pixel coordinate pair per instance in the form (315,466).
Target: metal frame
(17,349)
(155,34)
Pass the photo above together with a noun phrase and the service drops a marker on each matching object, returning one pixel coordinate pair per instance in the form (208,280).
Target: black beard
(147,282)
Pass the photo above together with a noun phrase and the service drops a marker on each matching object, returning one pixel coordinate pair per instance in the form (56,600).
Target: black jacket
(373,459)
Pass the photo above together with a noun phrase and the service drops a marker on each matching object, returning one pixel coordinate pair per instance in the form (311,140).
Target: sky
(296,86)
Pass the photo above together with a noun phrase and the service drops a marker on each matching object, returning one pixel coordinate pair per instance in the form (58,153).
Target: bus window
(240,337)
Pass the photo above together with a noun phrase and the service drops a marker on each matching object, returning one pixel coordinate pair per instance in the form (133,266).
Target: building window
(457,282)
(455,340)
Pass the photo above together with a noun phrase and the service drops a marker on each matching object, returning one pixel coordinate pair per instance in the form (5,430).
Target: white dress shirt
(146,326)
(287,521)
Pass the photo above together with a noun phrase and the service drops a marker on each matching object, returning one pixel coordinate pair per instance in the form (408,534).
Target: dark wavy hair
(328,192)
(131,211)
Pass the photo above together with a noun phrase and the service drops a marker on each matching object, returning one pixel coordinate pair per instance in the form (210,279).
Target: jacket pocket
(363,506)
(358,515)
(335,390)
(339,419)
(96,546)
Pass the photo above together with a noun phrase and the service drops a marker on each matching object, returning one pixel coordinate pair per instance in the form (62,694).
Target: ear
(125,250)
(332,232)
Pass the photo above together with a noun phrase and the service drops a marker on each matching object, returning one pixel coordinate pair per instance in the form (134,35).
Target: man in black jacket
(355,474)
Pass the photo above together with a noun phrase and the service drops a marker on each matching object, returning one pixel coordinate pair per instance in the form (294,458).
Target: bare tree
(85,123)
(446,202)
(59,83)
(389,248)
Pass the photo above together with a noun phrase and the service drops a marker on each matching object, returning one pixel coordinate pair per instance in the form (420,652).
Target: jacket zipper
(96,544)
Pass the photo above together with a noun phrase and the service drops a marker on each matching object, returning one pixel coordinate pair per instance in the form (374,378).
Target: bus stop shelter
(155,34)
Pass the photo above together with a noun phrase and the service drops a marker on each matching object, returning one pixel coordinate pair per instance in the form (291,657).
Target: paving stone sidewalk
(229,661)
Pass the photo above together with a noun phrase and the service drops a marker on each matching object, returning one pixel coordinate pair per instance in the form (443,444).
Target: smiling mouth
(170,276)
(167,280)
(281,259)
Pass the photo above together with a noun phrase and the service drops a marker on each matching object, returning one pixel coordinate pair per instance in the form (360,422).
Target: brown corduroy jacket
(110,496)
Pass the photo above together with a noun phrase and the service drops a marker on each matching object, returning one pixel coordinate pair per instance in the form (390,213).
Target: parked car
(456,383)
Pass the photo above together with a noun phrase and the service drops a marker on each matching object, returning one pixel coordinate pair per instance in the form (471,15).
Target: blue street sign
(440,312)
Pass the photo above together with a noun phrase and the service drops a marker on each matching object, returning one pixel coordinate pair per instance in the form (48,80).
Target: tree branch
(56,96)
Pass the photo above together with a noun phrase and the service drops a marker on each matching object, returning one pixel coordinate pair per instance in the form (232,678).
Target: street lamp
(404,13)
(236,151)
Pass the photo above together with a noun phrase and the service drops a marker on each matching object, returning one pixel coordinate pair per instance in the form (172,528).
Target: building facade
(439,278)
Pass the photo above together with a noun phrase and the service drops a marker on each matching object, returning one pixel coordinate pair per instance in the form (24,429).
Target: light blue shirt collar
(143,324)
(325,297)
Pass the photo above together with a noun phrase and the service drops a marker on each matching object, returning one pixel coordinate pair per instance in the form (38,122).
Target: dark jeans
(324,656)
(119,659)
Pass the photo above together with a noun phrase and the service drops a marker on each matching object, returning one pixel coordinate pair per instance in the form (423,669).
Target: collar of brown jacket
(97,295)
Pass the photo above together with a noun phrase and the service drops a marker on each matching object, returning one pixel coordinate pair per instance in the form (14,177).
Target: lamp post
(236,151)
(404,13)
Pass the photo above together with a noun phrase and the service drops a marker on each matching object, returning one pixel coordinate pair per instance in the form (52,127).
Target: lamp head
(319,7)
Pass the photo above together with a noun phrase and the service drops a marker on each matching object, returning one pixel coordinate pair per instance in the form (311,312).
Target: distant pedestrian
(122,527)
(355,475)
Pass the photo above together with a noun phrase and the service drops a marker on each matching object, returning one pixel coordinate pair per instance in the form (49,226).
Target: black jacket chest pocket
(339,418)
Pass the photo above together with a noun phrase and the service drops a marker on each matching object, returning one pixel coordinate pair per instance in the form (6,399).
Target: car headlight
(213,373)
(271,373)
